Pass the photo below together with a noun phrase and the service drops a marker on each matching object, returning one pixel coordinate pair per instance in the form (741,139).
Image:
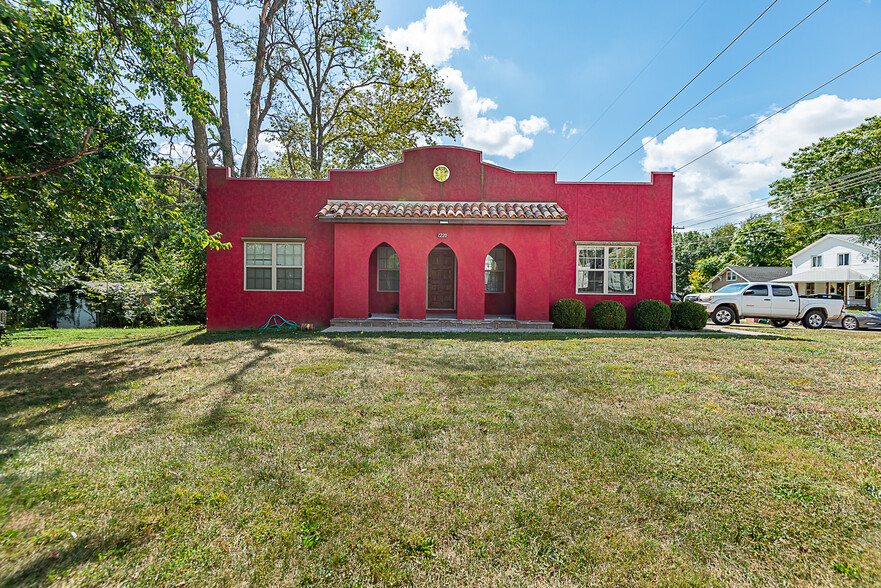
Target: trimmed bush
(689,316)
(608,315)
(568,313)
(651,315)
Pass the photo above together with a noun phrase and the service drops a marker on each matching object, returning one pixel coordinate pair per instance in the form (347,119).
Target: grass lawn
(172,457)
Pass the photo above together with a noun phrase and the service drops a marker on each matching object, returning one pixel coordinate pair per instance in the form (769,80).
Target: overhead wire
(718,55)
(633,81)
(717,88)
(839,182)
(759,203)
(775,113)
(780,226)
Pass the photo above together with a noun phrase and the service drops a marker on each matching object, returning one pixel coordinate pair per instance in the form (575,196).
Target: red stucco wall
(340,280)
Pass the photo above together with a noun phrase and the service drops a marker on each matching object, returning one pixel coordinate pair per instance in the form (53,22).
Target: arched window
(494,270)
(388,270)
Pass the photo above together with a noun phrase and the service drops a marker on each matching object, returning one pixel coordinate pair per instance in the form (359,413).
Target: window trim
(502,271)
(864,288)
(845,257)
(729,278)
(605,246)
(818,259)
(273,241)
(381,269)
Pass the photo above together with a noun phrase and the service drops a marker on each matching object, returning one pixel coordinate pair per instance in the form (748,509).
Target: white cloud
(730,175)
(436,36)
(533,125)
(506,136)
(568,131)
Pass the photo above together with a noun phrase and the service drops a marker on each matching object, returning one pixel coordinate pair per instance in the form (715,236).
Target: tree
(74,153)
(336,93)
(760,241)
(692,246)
(832,184)
(704,271)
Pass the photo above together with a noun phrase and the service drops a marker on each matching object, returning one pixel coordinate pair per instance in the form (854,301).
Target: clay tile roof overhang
(477,213)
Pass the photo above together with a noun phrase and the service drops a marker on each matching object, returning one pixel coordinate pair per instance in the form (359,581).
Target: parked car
(854,319)
(691,297)
(674,297)
(778,302)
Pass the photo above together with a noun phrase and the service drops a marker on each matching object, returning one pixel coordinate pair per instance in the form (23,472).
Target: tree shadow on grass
(211,337)
(33,356)
(219,417)
(38,570)
(44,395)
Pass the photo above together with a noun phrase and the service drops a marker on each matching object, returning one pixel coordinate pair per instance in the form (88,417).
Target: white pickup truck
(780,303)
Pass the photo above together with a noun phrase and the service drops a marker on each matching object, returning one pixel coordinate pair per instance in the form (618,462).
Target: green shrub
(651,315)
(568,313)
(689,316)
(608,315)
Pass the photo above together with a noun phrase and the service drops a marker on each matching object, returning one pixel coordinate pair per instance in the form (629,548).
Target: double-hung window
(605,268)
(494,271)
(274,265)
(388,270)
(844,259)
(816,261)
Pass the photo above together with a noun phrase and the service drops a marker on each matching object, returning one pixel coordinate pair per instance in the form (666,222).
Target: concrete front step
(437,324)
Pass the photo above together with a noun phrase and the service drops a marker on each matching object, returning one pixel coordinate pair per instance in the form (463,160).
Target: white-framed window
(816,261)
(274,264)
(809,288)
(844,259)
(494,271)
(605,269)
(860,289)
(388,270)
(730,277)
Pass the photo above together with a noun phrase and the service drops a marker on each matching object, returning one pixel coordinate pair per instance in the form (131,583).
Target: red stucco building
(440,233)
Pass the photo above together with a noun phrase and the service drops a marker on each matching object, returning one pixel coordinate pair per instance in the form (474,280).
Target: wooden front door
(441,279)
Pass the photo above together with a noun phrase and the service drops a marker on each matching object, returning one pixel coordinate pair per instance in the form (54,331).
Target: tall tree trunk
(225,133)
(200,133)
(250,159)
(200,152)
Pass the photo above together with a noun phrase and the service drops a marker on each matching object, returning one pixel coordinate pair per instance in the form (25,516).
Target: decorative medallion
(441,173)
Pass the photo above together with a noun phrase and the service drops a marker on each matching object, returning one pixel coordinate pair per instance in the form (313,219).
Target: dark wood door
(441,278)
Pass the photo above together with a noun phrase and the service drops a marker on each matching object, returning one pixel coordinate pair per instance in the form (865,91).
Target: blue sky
(539,87)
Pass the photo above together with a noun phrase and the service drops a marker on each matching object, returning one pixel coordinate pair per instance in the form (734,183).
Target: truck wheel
(814,319)
(723,315)
(850,323)
(779,323)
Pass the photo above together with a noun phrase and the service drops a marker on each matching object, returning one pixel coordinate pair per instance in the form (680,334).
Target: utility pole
(674,256)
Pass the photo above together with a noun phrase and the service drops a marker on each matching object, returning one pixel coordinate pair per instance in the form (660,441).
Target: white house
(837,264)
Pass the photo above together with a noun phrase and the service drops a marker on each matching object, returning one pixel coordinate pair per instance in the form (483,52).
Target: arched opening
(441,280)
(500,283)
(384,281)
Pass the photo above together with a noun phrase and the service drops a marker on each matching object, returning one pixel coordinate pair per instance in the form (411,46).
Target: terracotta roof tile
(531,212)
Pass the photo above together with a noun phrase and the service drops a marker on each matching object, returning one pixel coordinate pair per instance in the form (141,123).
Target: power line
(718,55)
(840,182)
(777,112)
(702,100)
(783,225)
(633,81)
(758,203)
